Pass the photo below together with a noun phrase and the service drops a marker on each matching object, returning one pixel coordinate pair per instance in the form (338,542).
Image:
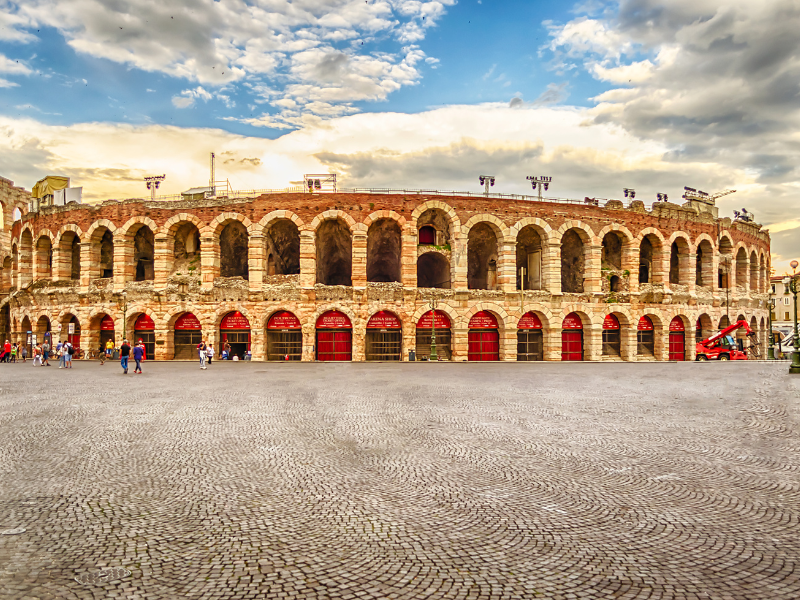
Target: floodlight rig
(629,193)
(538,182)
(744,215)
(325,182)
(153,183)
(486,181)
(661,197)
(691,193)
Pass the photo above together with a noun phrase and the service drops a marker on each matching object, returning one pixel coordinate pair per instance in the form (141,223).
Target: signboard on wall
(187,321)
(645,324)
(610,322)
(235,320)
(529,321)
(283,320)
(384,320)
(572,321)
(107,324)
(144,323)
(426,322)
(71,328)
(483,320)
(333,320)
(677,325)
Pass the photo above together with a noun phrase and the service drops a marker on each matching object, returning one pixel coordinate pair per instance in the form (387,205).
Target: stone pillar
(506,268)
(359,270)
(256,260)
(163,260)
(508,343)
(209,260)
(124,267)
(258,342)
(89,264)
(460,341)
(630,262)
(627,338)
(592,342)
(458,266)
(591,270)
(166,350)
(61,263)
(24,266)
(408,258)
(689,273)
(308,264)
(551,270)
(309,341)
(552,341)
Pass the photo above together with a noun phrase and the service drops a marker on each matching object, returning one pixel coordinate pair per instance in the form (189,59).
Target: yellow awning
(48,185)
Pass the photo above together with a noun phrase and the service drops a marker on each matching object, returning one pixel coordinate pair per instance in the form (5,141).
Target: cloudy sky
(600,95)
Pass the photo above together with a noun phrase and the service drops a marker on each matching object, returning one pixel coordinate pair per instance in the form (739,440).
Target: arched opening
(26,333)
(43,332)
(529,259)
(102,250)
(103,327)
(572,263)
(69,265)
(482,258)
(765,287)
(144,332)
(704,328)
(433,228)
(612,339)
(44,258)
(614,283)
(384,337)
(383,251)
(677,340)
(433,271)
(427,235)
(572,338)
(334,253)
(5,326)
(725,263)
(233,251)
(741,334)
(234,335)
(187,336)
(649,252)
(611,251)
(724,322)
(755,342)
(530,341)
(483,337)
(72,327)
(144,254)
(645,337)
(741,268)
(186,250)
(704,266)
(284,337)
(5,282)
(16,214)
(678,262)
(334,337)
(427,327)
(282,240)
(25,258)
(754,287)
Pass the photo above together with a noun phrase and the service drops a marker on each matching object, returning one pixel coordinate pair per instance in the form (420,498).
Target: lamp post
(434,355)
(487,181)
(790,284)
(153,183)
(539,182)
(771,347)
(124,315)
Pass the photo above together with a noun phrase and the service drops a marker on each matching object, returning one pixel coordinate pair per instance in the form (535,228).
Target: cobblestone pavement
(353,481)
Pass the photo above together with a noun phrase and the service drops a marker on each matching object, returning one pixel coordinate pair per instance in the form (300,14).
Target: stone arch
(232,238)
(215,227)
(43,255)
(281,231)
(100,237)
(754,272)
(530,237)
(334,249)
(449,211)
(576,241)
(127,231)
(182,235)
(497,310)
(384,249)
(679,267)
(433,270)
(451,312)
(386,214)
(544,313)
(332,215)
(704,261)
(99,224)
(742,267)
(658,335)
(651,250)
(68,244)
(485,234)
(25,257)
(137,237)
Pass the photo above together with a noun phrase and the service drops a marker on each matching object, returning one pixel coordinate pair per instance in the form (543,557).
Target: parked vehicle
(722,345)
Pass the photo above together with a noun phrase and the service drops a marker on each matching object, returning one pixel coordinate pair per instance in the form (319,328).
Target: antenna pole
(213,182)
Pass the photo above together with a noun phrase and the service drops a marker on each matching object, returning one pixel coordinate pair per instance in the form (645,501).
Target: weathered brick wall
(57,296)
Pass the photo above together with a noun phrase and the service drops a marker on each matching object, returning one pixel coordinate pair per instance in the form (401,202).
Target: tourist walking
(6,355)
(124,353)
(109,348)
(46,354)
(23,353)
(69,352)
(61,349)
(138,356)
(14,350)
(202,352)
(37,355)
(210,352)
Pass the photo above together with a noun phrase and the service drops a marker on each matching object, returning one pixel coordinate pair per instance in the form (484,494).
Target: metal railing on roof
(238,194)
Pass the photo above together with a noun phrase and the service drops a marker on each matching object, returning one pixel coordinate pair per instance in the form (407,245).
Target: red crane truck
(723,346)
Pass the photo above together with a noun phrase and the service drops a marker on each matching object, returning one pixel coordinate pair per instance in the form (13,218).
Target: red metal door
(677,345)
(484,345)
(334,345)
(572,345)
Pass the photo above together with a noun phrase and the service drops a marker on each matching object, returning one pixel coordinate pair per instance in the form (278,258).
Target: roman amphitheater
(379,276)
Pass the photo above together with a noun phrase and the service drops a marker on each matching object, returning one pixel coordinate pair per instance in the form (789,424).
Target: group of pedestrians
(41,353)
(125,353)
(206,353)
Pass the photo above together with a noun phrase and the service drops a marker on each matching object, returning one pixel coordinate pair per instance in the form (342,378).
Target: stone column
(551,269)
(309,341)
(408,258)
(163,259)
(591,271)
(630,262)
(552,342)
(458,265)
(308,263)
(256,263)
(209,260)
(124,267)
(689,274)
(508,344)
(359,271)
(507,267)
(89,264)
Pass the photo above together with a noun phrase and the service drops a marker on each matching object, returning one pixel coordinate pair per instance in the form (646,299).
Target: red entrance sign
(334,320)
(107,324)
(572,321)
(384,320)
(144,323)
(283,320)
(677,325)
(610,322)
(645,324)
(529,321)
(235,320)
(426,322)
(187,321)
(483,320)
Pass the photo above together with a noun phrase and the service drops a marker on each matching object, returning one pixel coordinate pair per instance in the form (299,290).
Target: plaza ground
(529,480)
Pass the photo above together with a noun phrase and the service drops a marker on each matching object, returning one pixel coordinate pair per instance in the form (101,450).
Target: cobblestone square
(529,480)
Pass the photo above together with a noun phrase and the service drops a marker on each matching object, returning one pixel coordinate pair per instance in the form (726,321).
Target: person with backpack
(24,353)
(138,356)
(37,355)
(202,352)
(124,354)
(68,356)
(45,354)
(14,350)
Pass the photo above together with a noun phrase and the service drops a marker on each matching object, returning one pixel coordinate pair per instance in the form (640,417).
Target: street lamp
(538,182)
(434,355)
(486,182)
(124,315)
(770,337)
(790,284)
(153,183)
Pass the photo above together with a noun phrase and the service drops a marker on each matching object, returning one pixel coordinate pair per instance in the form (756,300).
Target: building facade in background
(369,276)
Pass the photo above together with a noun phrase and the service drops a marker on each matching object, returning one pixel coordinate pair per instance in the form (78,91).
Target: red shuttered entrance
(572,338)
(334,337)
(677,340)
(483,337)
